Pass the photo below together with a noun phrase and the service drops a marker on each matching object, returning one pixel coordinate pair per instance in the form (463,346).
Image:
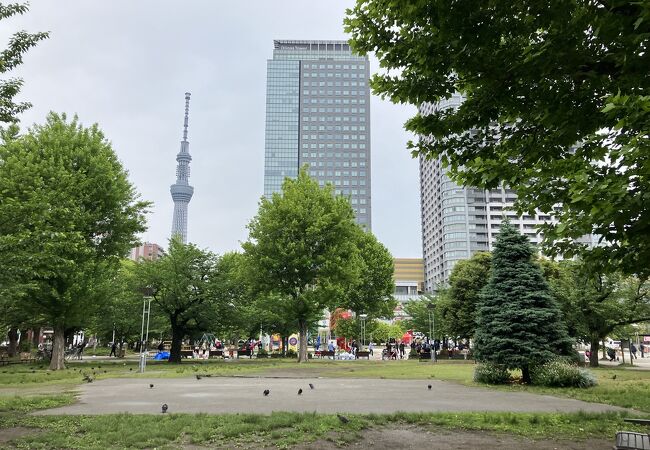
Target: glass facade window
(298,78)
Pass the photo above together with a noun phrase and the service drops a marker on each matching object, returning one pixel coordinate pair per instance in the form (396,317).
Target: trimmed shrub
(490,373)
(291,354)
(262,353)
(560,373)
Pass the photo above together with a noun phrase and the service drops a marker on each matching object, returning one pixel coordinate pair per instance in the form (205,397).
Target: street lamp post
(146,310)
(432,329)
(363,318)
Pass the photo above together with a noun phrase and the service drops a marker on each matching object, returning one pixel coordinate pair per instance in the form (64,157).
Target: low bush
(560,373)
(490,373)
(262,353)
(291,354)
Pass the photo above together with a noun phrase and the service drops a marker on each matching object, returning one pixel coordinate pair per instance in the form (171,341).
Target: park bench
(626,440)
(244,352)
(187,353)
(363,354)
(325,353)
(216,353)
(26,357)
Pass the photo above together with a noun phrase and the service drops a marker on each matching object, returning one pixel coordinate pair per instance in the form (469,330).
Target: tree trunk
(593,348)
(36,337)
(302,342)
(58,349)
(13,341)
(525,374)
(24,337)
(177,340)
(604,351)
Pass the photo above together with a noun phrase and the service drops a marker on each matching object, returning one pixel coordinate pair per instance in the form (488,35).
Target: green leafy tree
(519,325)
(553,91)
(182,285)
(12,57)
(383,332)
(420,318)
(121,313)
(67,215)
(371,292)
(466,281)
(302,250)
(599,305)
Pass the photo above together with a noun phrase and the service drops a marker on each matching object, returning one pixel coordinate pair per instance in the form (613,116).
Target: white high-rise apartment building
(458,222)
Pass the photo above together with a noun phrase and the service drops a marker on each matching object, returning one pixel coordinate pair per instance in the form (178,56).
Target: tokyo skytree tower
(181,190)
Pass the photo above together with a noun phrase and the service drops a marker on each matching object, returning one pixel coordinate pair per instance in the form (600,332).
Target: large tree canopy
(183,285)
(557,105)
(68,214)
(10,58)
(302,250)
(371,292)
(466,281)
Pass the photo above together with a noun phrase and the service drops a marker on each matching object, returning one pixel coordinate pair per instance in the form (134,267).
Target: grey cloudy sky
(126,64)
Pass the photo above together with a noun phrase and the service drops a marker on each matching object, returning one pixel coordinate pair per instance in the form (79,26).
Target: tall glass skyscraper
(318,114)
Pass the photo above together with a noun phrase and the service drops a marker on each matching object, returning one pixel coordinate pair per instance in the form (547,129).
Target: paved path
(244,395)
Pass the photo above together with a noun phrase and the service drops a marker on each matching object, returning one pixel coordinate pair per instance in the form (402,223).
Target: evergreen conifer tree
(519,324)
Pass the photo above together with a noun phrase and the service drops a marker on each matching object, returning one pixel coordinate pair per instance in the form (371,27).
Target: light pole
(363,318)
(432,329)
(146,309)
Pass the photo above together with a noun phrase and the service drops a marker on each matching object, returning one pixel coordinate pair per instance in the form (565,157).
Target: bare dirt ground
(413,438)
(403,438)
(9,434)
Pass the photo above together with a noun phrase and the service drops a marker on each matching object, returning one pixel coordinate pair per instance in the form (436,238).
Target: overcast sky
(126,65)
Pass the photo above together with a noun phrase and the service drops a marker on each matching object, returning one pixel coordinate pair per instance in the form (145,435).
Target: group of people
(611,352)
(393,350)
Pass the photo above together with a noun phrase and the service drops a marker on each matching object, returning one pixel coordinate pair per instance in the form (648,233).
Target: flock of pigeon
(266,393)
(88,379)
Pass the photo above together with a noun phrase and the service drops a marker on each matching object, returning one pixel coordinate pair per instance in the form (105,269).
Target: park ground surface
(387,403)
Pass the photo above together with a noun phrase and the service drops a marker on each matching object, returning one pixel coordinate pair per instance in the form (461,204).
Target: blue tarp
(162,355)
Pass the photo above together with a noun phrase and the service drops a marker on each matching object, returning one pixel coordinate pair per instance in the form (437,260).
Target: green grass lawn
(25,388)
(281,430)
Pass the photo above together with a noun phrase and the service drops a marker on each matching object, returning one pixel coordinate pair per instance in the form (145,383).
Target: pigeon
(88,379)
(343,419)
(130,369)
(198,377)
(151,386)
(164,408)
(266,392)
(614,377)
(429,386)
(299,391)
(311,386)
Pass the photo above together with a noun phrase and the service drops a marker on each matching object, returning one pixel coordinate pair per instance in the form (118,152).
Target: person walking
(113,350)
(370,347)
(80,349)
(632,351)
(642,348)
(402,352)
